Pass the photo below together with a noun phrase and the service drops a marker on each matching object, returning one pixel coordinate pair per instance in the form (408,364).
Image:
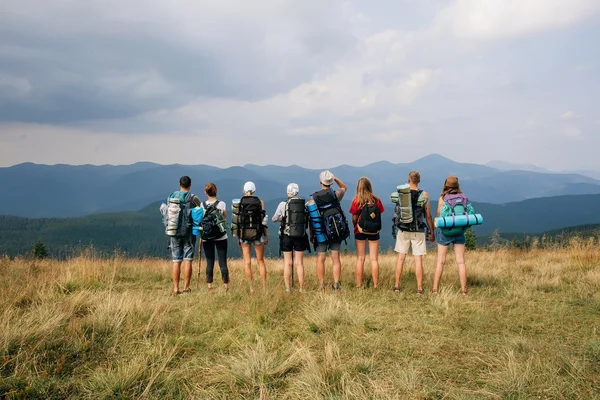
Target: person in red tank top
(364,197)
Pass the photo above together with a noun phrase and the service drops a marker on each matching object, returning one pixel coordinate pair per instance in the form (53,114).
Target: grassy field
(87,328)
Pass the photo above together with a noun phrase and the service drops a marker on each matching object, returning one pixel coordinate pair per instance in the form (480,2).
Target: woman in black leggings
(220,243)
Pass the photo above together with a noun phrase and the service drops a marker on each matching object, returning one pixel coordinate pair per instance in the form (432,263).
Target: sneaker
(288,290)
(336,286)
(322,287)
(397,289)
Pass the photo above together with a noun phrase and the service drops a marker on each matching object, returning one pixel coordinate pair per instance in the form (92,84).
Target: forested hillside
(138,234)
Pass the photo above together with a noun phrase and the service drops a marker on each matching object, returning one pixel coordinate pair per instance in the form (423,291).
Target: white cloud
(568,115)
(495,19)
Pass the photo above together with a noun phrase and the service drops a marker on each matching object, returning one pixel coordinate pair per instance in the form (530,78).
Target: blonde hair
(364,192)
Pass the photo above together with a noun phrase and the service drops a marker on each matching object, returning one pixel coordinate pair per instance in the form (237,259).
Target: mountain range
(37,191)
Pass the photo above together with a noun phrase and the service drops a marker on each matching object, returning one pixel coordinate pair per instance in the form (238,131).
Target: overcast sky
(312,82)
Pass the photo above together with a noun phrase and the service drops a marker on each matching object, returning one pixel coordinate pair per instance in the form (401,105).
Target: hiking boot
(336,286)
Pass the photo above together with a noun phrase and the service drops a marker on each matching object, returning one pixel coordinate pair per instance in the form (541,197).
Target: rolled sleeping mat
(197,212)
(315,220)
(405,201)
(235,208)
(404,189)
(235,220)
(458,221)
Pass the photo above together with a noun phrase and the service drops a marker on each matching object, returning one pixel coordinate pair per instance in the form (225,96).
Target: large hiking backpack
(295,219)
(250,227)
(454,205)
(369,219)
(409,213)
(332,216)
(178,221)
(213,224)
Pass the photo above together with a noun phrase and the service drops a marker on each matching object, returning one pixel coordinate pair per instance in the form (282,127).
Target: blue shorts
(444,240)
(182,248)
(362,236)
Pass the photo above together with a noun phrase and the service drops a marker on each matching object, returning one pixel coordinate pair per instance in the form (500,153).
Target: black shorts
(293,244)
(362,236)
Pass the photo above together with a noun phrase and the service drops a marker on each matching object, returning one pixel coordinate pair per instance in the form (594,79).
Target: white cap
(293,189)
(249,187)
(327,178)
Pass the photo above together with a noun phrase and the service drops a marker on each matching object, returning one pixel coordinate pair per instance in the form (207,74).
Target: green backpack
(455,204)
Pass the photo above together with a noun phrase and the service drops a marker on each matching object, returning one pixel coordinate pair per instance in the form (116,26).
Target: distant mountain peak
(434,158)
(383,163)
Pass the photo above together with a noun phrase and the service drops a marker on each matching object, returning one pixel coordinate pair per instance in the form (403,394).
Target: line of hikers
(320,221)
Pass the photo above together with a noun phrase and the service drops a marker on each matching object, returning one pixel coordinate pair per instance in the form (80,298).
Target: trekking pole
(199,262)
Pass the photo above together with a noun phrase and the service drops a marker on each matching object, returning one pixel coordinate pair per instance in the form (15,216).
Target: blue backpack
(332,216)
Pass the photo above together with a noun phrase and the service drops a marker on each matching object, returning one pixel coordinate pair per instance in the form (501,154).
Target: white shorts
(405,239)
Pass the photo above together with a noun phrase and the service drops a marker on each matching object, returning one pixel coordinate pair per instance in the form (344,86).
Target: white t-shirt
(222,207)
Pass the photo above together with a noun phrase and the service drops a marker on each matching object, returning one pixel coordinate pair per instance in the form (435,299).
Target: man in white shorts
(413,234)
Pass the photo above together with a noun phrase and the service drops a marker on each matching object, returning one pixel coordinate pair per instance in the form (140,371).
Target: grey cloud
(72,77)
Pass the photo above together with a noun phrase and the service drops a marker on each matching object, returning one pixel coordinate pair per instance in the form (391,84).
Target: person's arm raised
(341,184)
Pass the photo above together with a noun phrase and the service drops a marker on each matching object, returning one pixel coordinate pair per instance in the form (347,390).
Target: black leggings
(209,254)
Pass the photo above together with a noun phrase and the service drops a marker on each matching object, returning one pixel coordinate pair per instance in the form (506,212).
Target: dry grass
(108,329)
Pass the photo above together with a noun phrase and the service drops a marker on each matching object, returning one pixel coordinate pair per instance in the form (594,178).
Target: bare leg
(441,260)
(287,269)
(321,257)
(187,274)
(337,265)
(374,257)
(176,274)
(399,266)
(459,251)
(260,258)
(299,262)
(419,271)
(247,263)
(361,249)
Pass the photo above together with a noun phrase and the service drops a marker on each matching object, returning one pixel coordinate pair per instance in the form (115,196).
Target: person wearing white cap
(335,224)
(293,240)
(253,231)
